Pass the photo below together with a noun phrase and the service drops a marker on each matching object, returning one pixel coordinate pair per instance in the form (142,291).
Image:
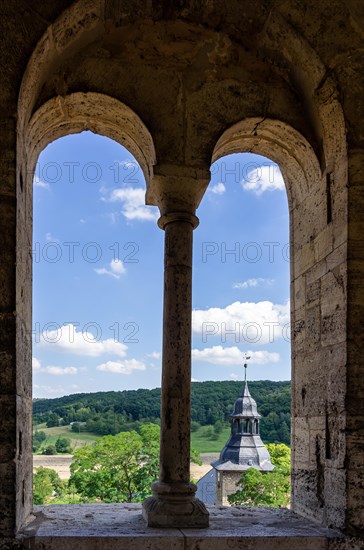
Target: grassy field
(202,441)
(77,439)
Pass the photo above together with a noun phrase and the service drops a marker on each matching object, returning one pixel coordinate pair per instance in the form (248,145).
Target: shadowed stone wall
(204,79)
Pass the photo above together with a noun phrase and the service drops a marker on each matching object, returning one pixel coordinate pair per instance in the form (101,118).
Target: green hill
(212,402)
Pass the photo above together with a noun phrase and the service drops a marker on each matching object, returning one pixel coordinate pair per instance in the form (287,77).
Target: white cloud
(263,178)
(218,355)
(117,268)
(194,380)
(217,189)
(249,283)
(36,364)
(252,322)
(234,376)
(59,371)
(121,367)
(155,355)
(67,339)
(55,371)
(133,204)
(37,182)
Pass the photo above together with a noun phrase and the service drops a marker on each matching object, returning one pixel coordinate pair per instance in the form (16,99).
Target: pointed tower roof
(245,406)
(244,449)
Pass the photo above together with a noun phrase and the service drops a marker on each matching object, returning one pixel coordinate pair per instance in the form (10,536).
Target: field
(77,439)
(61,463)
(202,441)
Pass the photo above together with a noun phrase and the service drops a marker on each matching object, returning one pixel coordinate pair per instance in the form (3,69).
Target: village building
(244,449)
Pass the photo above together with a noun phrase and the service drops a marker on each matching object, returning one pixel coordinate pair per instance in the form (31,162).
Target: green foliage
(195,426)
(266,489)
(111,412)
(53,420)
(38,439)
(280,456)
(49,450)
(117,468)
(46,482)
(63,445)
(218,427)
(195,456)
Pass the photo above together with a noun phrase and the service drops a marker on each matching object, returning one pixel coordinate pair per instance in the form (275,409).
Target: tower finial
(246,365)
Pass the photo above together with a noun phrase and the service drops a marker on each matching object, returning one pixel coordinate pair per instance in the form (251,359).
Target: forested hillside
(212,402)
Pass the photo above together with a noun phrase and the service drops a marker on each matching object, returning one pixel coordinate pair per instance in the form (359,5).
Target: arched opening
(313,264)
(72,114)
(242,250)
(96,316)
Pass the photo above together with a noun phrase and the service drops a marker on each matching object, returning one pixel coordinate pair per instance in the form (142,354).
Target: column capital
(177,188)
(172,217)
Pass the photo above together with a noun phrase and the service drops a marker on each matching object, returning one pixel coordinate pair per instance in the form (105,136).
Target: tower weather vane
(246,364)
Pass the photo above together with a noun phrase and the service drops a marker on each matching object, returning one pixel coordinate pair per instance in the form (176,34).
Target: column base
(174,505)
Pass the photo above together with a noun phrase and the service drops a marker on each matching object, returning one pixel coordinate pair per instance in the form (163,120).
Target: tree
(114,468)
(63,445)
(53,420)
(266,489)
(148,473)
(46,482)
(119,468)
(49,450)
(280,455)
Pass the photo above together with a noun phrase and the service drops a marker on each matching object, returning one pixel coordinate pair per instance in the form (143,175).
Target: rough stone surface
(112,526)
(201,80)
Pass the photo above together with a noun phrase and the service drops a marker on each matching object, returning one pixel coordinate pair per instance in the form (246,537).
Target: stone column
(173,503)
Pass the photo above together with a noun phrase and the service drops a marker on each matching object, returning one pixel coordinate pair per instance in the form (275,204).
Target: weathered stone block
(300,443)
(323,243)
(313,328)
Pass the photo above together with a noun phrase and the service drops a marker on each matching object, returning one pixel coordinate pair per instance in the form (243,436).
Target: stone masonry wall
(191,71)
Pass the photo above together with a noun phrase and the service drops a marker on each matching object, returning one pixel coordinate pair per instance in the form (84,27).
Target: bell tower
(244,449)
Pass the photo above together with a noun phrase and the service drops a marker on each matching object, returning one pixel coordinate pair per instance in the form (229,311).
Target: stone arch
(89,111)
(318,306)
(280,142)
(277,43)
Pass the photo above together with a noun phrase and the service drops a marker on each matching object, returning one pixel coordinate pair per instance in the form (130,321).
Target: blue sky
(98,272)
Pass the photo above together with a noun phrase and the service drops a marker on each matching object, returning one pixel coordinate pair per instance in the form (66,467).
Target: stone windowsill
(112,526)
